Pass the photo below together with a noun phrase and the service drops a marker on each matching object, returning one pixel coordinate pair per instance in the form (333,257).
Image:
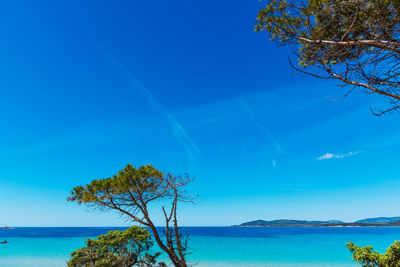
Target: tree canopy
(131,191)
(117,249)
(355,42)
(368,257)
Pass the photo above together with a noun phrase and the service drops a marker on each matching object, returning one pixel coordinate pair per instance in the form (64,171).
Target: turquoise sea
(211,246)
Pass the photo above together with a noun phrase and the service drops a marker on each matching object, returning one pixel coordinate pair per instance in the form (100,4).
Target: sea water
(210,246)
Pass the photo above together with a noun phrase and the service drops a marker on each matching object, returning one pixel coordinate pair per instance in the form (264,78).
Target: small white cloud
(326,156)
(337,156)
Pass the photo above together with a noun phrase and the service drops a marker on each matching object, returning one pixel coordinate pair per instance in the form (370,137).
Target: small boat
(6,228)
(4,242)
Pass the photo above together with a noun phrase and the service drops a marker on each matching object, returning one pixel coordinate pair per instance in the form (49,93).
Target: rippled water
(211,246)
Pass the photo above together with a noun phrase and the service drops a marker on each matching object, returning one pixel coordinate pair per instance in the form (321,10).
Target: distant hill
(382,221)
(285,222)
(379,220)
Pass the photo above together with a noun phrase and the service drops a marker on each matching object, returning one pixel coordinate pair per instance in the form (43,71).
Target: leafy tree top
(116,249)
(130,182)
(353,41)
(368,257)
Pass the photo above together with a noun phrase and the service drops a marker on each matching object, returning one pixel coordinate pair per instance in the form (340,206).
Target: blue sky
(187,86)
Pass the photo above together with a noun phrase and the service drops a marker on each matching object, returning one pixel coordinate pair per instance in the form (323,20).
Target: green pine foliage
(117,249)
(354,42)
(368,257)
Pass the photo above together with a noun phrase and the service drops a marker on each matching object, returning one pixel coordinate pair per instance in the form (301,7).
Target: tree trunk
(171,254)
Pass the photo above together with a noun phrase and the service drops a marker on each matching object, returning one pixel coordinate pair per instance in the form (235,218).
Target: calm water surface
(211,246)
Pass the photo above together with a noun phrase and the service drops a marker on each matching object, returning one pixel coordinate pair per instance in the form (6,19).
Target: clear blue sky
(188,86)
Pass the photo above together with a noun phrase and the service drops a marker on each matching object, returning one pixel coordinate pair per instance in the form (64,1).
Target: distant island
(376,222)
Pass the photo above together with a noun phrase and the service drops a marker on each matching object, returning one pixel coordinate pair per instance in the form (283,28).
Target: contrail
(179,133)
(261,127)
